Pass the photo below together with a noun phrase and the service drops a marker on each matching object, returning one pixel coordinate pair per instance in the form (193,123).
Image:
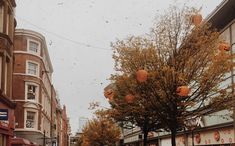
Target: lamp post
(192,136)
(44,138)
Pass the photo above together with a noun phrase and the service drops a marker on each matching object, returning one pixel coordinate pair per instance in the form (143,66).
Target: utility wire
(64,38)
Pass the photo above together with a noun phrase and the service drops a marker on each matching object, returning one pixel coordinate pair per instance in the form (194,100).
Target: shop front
(7,121)
(21,142)
(215,137)
(204,137)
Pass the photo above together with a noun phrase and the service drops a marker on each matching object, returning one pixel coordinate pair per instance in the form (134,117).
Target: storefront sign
(4,114)
(195,122)
(4,124)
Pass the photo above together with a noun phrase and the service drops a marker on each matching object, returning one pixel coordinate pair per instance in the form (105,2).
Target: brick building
(7,27)
(65,128)
(32,87)
(54,126)
(59,123)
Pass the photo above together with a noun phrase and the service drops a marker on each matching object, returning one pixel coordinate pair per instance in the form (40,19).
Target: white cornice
(28,53)
(23,74)
(27,130)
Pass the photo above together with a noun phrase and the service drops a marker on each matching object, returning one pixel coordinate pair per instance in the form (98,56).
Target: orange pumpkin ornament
(197,19)
(129,98)
(223,46)
(216,136)
(141,75)
(183,91)
(109,93)
(197,138)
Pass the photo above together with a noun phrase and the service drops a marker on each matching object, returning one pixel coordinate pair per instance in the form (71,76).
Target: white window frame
(27,67)
(1,72)
(38,49)
(233,33)
(1,18)
(42,122)
(26,91)
(36,119)
(7,23)
(6,78)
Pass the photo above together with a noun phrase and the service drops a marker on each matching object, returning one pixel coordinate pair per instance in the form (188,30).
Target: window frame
(38,47)
(35,118)
(36,92)
(1,72)
(27,68)
(233,33)
(1,18)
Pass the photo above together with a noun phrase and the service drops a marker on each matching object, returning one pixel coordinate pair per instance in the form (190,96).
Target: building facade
(59,124)
(65,128)
(54,125)
(7,28)
(32,87)
(216,129)
(82,121)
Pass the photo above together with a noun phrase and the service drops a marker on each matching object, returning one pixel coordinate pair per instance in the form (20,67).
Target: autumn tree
(100,131)
(186,67)
(129,107)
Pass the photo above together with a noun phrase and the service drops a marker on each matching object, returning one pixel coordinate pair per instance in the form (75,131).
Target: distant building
(76,140)
(65,133)
(7,28)
(82,123)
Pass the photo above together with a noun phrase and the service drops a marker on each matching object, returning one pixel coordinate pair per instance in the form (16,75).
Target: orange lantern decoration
(109,93)
(141,75)
(129,98)
(183,91)
(223,46)
(197,19)
(216,136)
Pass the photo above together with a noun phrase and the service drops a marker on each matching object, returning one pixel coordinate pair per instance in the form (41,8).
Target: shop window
(3,140)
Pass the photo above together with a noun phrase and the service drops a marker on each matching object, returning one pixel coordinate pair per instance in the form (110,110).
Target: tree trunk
(173,135)
(145,137)
(145,130)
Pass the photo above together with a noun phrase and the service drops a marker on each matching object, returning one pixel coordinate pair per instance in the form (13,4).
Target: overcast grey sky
(79,33)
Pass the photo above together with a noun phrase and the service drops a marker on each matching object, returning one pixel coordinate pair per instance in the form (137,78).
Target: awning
(22,141)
